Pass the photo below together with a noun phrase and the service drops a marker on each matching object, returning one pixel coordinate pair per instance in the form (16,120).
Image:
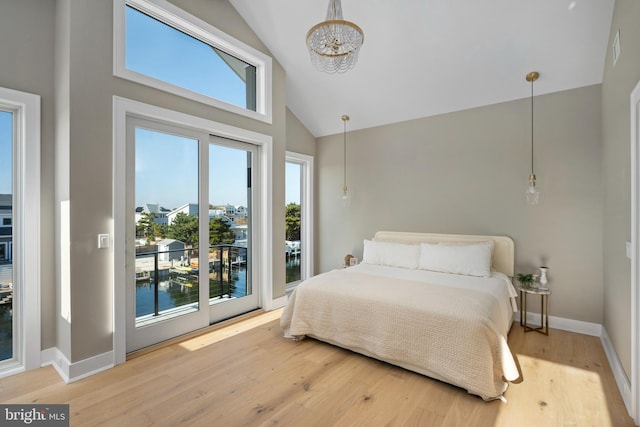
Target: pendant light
(532,194)
(345,195)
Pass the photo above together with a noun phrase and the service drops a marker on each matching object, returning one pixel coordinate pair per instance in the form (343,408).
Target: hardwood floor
(248,375)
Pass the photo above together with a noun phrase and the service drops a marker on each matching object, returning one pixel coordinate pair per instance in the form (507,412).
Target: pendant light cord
(532,126)
(344,144)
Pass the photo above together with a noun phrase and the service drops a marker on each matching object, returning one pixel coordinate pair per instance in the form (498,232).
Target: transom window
(160,45)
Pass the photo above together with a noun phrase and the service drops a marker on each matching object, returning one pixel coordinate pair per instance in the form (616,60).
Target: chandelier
(532,194)
(334,44)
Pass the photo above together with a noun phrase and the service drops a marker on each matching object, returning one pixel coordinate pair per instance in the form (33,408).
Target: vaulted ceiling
(426,57)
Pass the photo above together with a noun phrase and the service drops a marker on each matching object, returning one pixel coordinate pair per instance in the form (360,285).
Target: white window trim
(183,21)
(26,231)
(306,213)
(263,238)
(632,397)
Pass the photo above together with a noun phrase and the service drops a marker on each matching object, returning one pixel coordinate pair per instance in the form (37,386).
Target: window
(160,51)
(160,45)
(293,221)
(298,217)
(20,205)
(7,324)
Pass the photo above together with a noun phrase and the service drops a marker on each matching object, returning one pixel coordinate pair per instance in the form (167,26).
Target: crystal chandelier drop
(334,44)
(532,194)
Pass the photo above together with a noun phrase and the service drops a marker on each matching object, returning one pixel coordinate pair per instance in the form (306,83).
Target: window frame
(182,21)
(306,215)
(26,229)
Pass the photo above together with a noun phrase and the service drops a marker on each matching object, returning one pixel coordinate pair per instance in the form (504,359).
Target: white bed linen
(449,327)
(502,288)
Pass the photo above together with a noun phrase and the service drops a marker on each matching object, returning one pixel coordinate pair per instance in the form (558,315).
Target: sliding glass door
(164,295)
(190,216)
(231,172)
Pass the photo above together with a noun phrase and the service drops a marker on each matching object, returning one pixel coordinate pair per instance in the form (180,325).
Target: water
(293,270)
(174,293)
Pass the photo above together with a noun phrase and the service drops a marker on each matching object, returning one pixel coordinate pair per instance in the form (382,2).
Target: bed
(437,304)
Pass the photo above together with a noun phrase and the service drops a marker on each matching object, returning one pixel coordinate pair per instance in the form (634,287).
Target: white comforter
(449,327)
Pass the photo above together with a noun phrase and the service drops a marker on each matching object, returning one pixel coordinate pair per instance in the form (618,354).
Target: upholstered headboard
(503,251)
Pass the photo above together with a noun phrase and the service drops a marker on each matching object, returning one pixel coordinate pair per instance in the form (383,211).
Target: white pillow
(470,260)
(489,243)
(391,254)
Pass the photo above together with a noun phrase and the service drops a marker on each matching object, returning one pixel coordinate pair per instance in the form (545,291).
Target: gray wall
(27,52)
(466,172)
(299,139)
(617,85)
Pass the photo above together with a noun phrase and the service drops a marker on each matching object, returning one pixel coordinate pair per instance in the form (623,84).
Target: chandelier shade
(335,43)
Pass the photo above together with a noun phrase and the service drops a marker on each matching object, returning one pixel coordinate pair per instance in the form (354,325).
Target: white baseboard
(71,372)
(569,325)
(624,385)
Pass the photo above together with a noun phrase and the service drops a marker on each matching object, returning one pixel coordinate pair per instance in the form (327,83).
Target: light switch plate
(628,249)
(103,241)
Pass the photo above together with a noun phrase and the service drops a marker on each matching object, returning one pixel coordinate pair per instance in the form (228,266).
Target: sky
(6,132)
(167,171)
(292,177)
(157,50)
(167,165)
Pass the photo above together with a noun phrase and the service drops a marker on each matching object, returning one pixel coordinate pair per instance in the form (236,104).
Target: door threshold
(196,333)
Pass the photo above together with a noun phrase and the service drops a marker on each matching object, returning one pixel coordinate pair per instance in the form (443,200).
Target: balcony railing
(169,280)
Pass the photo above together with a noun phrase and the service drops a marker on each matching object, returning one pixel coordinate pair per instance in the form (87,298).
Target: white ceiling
(426,57)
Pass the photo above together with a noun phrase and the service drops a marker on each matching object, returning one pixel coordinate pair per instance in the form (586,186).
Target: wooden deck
(246,374)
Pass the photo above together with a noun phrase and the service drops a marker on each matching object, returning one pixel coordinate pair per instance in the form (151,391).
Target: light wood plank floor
(248,375)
